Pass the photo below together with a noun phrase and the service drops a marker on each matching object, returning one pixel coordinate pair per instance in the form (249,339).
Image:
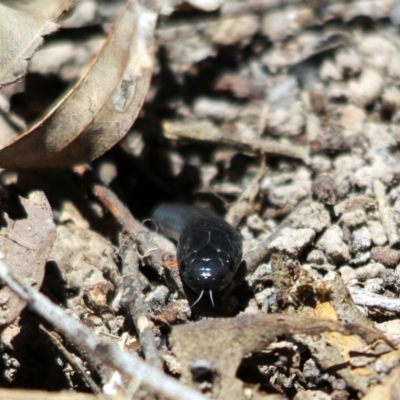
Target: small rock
(377,233)
(321,164)
(280,23)
(374,285)
(383,166)
(157,298)
(361,258)
(316,256)
(255,223)
(379,136)
(265,297)
(386,256)
(97,296)
(205,107)
(283,92)
(372,270)
(241,87)
(311,371)
(286,195)
(352,119)
(330,71)
(347,273)
(339,384)
(331,242)
(313,132)
(355,203)
(361,239)
(349,62)
(288,121)
(292,241)
(311,395)
(345,168)
(324,190)
(354,218)
(368,88)
(228,31)
(391,329)
(377,51)
(391,99)
(262,272)
(313,216)
(390,278)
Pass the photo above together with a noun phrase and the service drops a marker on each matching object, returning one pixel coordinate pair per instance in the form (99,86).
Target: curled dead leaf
(23,25)
(218,346)
(97,112)
(26,244)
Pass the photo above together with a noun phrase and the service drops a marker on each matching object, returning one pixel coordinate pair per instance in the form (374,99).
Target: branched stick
(132,300)
(83,337)
(386,214)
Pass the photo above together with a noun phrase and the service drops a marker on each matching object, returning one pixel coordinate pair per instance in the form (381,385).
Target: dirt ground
(281,116)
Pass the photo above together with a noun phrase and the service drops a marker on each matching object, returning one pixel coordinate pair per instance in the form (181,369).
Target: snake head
(205,273)
(209,252)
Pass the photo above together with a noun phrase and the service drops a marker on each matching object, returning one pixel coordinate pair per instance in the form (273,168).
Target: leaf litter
(284,117)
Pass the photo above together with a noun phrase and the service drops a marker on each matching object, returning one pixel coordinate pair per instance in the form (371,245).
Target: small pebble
(157,298)
(368,88)
(386,256)
(292,241)
(331,242)
(361,239)
(374,285)
(361,258)
(377,233)
(316,256)
(324,189)
(353,219)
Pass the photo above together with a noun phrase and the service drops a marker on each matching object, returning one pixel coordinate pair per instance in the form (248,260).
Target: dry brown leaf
(26,244)
(23,25)
(305,298)
(218,346)
(98,111)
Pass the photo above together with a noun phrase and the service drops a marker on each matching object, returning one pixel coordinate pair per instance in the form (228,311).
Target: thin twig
(83,337)
(244,204)
(207,132)
(368,299)
(72,360)
(17,240)
(386,214)
(131,288)
(132,300)
(121,213)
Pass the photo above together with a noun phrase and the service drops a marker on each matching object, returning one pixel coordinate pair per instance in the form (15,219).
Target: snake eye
(183,266)
(230,264)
